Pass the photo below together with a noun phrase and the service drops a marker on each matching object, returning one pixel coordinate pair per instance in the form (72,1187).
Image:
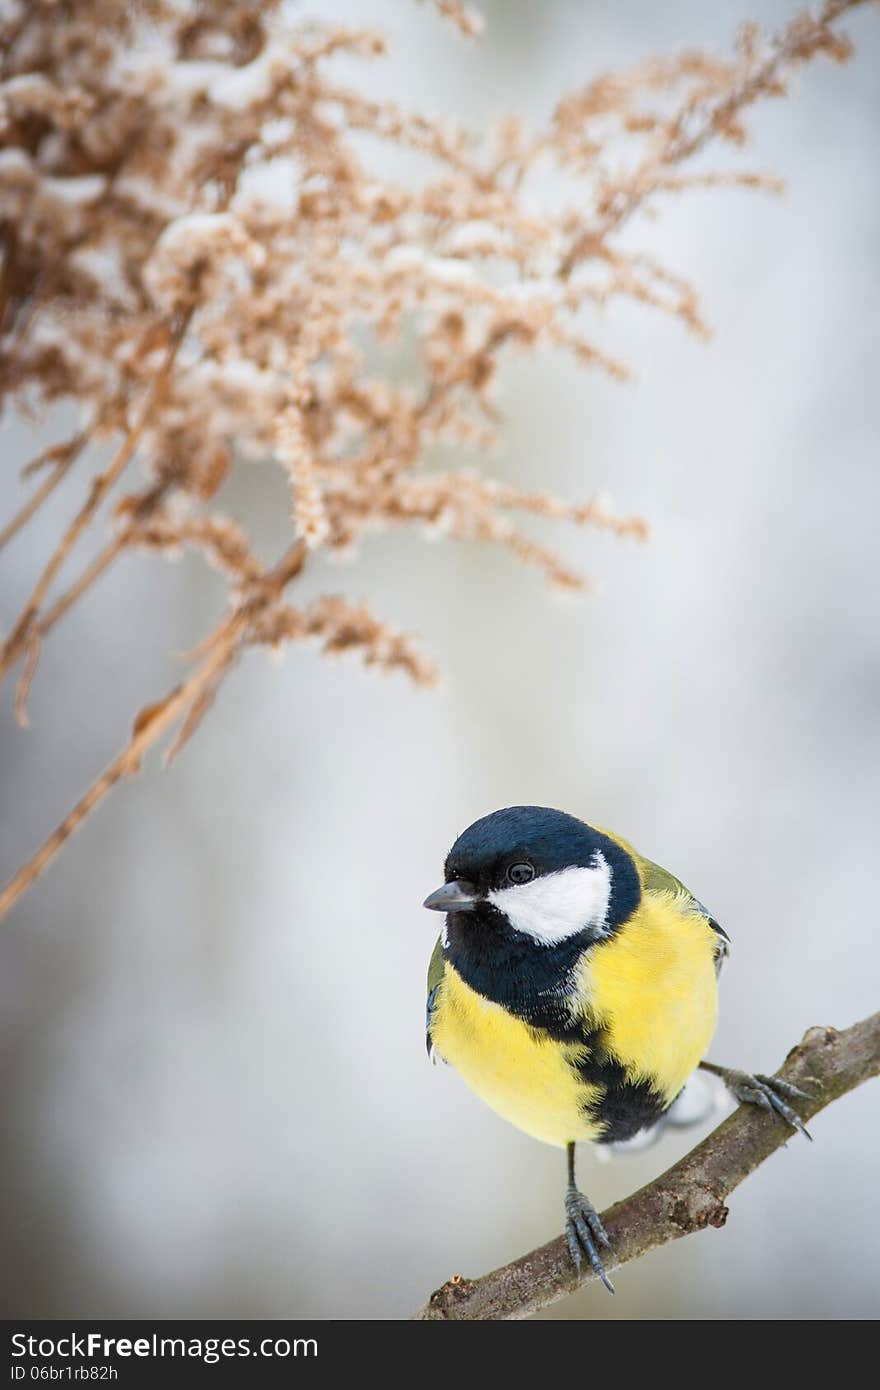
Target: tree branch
(688,1197)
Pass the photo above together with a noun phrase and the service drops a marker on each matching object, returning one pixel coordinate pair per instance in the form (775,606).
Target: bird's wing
(659,880)
(435,975)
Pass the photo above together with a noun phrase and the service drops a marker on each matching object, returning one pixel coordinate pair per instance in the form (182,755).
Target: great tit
(574,989)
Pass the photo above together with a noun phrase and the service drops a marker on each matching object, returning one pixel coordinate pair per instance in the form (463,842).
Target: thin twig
(90,574)
(688,1197)
(366,435)
(142,508)
(786,49)
(33,645)
(101,485)
(63,456)
(218,654)
(7,270)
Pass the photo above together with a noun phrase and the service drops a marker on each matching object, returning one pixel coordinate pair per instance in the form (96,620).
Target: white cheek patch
(556,906)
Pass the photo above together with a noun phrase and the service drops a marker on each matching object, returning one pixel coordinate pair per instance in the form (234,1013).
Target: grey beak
(456,896)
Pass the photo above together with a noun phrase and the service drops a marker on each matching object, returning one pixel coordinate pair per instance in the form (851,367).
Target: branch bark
(688,1197)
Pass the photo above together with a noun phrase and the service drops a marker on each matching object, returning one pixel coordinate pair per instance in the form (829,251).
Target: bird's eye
(520,873)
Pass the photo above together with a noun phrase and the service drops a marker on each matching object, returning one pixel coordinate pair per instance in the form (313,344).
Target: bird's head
(530,880)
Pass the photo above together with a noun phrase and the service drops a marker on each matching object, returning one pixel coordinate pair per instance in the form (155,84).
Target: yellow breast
(651,990)
(529,1080)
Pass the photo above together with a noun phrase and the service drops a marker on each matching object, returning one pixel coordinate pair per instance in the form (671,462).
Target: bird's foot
(768,1092)
(585,1233)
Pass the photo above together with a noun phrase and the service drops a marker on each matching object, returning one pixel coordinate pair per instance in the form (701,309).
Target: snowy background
(216,1098)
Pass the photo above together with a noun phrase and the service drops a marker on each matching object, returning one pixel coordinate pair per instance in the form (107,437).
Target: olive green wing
(435,975)
(656,879)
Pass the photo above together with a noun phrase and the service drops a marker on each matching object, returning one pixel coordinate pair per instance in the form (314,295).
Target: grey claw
(788,1114)
(752,1096)
(583,1228)
(767,1093)
(777,1084)
(574,1248)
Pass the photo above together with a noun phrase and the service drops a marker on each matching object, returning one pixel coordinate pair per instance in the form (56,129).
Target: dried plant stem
(218,654)
(142,509)
(90,574)
(33,504)
(65,457)
(143,176)
(6,271)
(146,733)
(795,44)
(34,641)
(688,1197)
(18,638)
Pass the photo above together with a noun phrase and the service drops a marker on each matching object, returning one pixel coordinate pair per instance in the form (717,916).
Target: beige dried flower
(309,517)
(198,253)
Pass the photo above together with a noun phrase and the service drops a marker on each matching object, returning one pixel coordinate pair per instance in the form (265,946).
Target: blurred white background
(216,1095)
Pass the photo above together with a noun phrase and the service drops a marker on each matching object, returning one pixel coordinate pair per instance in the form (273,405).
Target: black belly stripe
(624,1107)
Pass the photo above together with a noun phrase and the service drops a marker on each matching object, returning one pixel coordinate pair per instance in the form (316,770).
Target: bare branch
(688,1197)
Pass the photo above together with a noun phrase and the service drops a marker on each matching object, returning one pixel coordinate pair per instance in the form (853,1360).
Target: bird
(574,989)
